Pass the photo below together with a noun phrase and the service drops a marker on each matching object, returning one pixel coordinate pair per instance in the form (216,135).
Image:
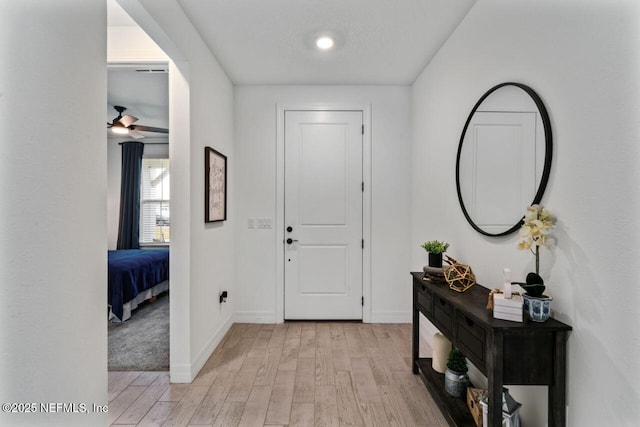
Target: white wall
(201,114)
(255,193)
(582,57)
(52,237)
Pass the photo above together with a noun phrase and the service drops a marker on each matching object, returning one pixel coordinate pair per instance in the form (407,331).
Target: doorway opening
(138,333)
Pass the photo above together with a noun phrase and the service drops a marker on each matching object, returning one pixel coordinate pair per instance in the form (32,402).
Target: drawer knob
(423,287)
(442,302)
(469,321)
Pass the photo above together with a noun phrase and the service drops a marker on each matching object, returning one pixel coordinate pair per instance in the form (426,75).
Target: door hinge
(363,301)
(362,186)
(363,129)
(362,243)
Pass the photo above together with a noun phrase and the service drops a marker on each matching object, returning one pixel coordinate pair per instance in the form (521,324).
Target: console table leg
(495,363)
(557,391)
(416,334)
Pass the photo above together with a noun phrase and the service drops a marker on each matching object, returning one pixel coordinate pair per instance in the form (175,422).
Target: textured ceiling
(379,41)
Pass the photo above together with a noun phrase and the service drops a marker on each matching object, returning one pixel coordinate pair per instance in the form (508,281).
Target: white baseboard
(185,373)
(254,317)
(180,373)
(391,317)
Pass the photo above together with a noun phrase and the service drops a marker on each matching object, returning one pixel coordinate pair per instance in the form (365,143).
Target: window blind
(155,217)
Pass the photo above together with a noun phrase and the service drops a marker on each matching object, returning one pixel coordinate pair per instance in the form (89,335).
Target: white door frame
(366,199)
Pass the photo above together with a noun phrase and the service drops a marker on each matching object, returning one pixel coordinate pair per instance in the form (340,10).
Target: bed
(135,275)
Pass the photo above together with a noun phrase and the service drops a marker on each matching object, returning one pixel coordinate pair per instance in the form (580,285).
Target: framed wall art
(215,185)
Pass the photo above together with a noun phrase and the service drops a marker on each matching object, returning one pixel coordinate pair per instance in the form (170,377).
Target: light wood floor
(291,374)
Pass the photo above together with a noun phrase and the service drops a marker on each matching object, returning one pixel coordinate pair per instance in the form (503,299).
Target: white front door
(323,215)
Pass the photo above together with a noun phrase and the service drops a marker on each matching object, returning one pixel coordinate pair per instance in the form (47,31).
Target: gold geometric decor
(459,276)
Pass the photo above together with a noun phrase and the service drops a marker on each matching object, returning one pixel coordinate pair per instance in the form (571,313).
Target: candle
(506,275)
(441,350)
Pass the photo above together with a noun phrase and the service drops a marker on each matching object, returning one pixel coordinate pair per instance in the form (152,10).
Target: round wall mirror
(504,158)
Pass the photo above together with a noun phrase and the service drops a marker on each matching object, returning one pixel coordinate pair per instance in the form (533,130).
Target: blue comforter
(132,271)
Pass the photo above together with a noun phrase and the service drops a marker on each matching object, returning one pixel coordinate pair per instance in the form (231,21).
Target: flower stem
(538,260)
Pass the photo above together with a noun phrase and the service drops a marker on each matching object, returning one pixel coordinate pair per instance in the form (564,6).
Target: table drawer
(442,315)
(471,339)
(425,299)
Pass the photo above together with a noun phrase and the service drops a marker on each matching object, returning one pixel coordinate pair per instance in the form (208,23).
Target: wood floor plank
(134,413)
(348,410)
(207,375)
(393,358)
(149,377)
(187,406)
(278,335)
(157,415)
(365,384)
(339,348)
(294,330)
(326,407)
(255,409)
(268,367)
(234,335)
(123,401)
(211,405)
(260,343)
(174,392)
(229,415)
(302,415)
(307,341)
(380,369)
(250,330)
(243,382)
(366,333)
(395,407)
(421,407)
(289,358)
(374,415)
(118,381)
(324,366)
(304,387)
(336,331)
(323,335)
(401,342)
(354,342)
(279,410)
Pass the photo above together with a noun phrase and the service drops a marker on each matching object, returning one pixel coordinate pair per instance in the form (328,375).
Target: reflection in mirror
(504,158)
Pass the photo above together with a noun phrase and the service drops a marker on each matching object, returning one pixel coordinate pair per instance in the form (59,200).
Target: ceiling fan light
(121,130)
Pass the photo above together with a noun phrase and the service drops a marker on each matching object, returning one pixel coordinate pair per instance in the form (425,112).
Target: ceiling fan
(124,125)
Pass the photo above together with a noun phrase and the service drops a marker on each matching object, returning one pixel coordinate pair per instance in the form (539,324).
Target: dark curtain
(129,226)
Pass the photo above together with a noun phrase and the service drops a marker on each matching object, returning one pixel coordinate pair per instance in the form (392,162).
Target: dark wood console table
(507,353)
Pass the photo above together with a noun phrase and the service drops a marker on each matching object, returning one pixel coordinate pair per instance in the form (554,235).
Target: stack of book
(507,309)
(434,275)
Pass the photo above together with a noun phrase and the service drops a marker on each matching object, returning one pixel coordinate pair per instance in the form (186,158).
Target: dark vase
(435,260)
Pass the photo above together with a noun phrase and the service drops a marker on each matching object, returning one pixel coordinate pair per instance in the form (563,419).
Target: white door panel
(323,206)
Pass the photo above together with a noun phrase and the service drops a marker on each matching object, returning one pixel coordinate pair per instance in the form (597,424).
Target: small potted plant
(455,377)
(435,250)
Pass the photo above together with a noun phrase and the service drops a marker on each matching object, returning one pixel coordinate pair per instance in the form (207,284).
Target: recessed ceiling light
(324,42)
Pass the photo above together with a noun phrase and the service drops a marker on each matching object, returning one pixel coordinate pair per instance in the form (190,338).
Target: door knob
(289,229)
(290,241)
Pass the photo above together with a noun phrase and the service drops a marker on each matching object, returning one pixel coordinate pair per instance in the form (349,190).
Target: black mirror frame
(548,138)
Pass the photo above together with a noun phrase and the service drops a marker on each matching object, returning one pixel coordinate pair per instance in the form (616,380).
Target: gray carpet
(142,342)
